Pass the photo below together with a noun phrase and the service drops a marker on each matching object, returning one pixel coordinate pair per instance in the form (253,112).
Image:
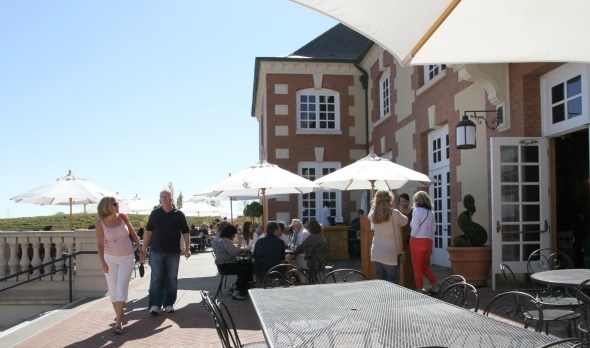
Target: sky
(131,95)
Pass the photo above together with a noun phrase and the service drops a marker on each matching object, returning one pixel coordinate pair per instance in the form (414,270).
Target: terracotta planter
(473,263)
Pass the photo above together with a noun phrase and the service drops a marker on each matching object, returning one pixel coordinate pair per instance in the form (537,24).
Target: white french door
(520,201)
(310,204)
(440,192)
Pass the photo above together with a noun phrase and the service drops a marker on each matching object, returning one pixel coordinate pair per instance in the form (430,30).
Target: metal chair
(518,306)
(344,275)
(450,280)
(284,275)
(550,313)
(460,294)
(569,342)
(546,259)
(227,335)
(583,296)
(223,279)
(316,262)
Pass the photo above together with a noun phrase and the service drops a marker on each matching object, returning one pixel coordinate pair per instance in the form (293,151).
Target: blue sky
(131,95)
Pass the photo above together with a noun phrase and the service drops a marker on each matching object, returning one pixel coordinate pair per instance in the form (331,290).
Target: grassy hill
(61,222)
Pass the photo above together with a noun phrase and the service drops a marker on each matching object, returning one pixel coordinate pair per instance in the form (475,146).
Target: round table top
(565,277)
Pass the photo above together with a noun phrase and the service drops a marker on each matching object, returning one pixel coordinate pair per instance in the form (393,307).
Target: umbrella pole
(71,216)
(231,210)
(85,221)
(372,189)
(264,215)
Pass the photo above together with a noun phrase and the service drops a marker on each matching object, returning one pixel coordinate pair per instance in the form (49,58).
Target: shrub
(473,233)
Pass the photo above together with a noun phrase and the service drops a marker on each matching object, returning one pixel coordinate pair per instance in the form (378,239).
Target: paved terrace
(89,323)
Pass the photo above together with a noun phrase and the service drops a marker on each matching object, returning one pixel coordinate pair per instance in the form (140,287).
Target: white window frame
(385,94)
(436,70)
(441,152)
(318,94)
(319,166)
(555,77)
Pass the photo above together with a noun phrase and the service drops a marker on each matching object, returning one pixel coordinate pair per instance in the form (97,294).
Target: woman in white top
(423,228)
(115,252)
(387,222)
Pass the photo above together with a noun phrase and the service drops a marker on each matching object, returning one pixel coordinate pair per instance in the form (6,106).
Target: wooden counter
(336,235)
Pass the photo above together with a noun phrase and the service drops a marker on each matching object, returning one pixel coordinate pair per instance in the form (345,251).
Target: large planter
(473,263)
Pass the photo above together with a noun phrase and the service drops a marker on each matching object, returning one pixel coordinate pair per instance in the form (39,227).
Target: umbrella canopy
(68,190)
(201,209)
(468,31)
(137,204)
(260,179)
(373,172)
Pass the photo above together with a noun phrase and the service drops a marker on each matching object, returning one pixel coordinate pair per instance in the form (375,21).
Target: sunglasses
(116,204)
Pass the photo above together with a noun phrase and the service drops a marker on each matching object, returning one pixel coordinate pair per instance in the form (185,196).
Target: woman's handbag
(401,257)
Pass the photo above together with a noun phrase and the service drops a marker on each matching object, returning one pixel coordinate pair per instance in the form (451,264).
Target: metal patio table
(377,313)
(562,277)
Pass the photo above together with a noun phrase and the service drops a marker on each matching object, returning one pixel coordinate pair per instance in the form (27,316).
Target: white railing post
(46,257)
(36,261)
(24,257)
(13,260)
(90,280)
(3,258)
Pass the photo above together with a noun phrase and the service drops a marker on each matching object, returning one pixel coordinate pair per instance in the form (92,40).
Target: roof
(338,43)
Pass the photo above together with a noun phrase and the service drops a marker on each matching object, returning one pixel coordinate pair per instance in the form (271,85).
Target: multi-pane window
(385,93)
(310,204)
(432,70)
(566,99)
(318,111)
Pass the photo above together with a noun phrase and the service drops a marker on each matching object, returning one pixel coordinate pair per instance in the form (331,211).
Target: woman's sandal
(118,330)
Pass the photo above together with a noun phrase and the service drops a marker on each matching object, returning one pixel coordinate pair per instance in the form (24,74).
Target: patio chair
(223,280)
(344,275)
(450,280)
(518,306)
(221,315)
(284,275)
(569,342)
(546,259)
(316,262)
(460,294)
(583,296)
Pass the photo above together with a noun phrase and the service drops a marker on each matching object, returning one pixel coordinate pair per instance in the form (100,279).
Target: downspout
(364,79)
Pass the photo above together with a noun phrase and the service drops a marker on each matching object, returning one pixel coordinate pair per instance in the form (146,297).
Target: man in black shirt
(268,251)
(162,233)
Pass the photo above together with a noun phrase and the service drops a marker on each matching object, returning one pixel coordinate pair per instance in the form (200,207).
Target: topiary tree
(253,209)
(473,233)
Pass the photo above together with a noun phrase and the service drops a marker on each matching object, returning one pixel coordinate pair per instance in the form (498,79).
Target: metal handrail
(53,271)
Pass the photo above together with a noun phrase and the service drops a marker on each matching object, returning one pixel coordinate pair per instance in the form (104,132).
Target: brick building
(341,96)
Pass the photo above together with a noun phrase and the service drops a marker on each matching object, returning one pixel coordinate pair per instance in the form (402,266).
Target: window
(565,96)
(310,204)
(431,71)
(318,110)
(385,93)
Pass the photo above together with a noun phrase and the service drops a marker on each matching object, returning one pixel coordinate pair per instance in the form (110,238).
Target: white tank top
(116,240)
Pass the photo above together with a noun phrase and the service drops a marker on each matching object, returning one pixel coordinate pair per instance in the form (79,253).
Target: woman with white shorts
(115,252)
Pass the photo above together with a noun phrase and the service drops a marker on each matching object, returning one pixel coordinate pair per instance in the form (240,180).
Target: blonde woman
(421,240)
(115,252)
(387,222)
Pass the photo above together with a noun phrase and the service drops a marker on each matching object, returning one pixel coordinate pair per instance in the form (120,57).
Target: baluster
(36,260)
(13,260)
(69,241)
(58,254)
(3,259)
(46,257)
(25,262)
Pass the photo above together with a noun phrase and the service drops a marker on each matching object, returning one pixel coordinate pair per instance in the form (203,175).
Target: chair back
(332,260)
(516,305)
(546,259)
(223,331)
(343,276)
(460,294)
(450,280)
(569,342)
(284,275)
(318,257)
(509,277)
(583,297)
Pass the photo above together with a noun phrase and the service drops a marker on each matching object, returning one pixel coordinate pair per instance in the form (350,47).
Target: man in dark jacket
(268,251)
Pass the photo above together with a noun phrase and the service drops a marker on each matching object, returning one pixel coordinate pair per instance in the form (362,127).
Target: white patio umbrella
(468,31)
(373,172)
(260,179)
(200,209)
(137,205)
(68,190)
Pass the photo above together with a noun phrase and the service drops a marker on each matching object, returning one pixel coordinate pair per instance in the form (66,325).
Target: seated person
(309,247)
(283,236)
(269,251)
(226,260)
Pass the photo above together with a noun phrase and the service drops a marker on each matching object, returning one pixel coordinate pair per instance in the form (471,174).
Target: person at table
(299,233)
(115,252)
(406,269)
(421,240)
(269,251)
(387,222)
(226,259)
(308,248)
(283,236)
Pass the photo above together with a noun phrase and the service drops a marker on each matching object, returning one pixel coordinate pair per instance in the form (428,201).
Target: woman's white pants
(120,268)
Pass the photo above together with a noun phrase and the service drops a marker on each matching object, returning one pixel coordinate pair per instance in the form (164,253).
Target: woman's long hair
(246,231)
(422,200)
(381,207)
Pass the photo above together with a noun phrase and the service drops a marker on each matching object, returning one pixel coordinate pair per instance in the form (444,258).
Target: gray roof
(338,43)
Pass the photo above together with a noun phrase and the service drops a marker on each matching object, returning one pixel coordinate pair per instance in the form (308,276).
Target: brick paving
(90,324)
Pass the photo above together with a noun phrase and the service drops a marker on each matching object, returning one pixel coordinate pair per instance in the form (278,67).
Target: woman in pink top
(115,252)
(423,227)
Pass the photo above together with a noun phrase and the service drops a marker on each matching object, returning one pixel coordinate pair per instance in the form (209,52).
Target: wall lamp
(465,130)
